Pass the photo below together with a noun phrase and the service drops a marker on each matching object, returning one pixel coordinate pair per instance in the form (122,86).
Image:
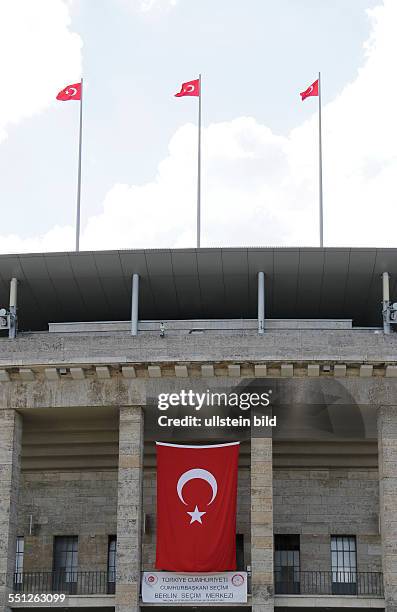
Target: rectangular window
(287,563)
(65,563)
(344,565)
(18,577)
(240,551)
(112,549)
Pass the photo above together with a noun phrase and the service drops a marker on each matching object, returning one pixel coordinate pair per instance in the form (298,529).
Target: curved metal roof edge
(191,283)
(201,249)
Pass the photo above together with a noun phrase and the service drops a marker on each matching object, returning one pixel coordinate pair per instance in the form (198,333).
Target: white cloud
(260,188)
(39,56)
(58,238)
(147,6)
(238,156)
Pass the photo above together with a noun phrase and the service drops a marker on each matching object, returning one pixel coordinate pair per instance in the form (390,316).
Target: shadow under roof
(328,283)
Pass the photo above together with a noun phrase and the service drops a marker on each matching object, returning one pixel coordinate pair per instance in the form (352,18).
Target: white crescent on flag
(197,473)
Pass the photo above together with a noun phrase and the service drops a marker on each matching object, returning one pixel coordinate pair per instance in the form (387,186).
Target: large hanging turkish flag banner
(196,507)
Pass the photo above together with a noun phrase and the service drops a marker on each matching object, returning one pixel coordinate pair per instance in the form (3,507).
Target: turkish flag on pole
(70,92)
(310,91)
(191,88)
(196,507)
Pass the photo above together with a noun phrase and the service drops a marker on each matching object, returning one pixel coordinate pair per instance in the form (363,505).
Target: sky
(259,140)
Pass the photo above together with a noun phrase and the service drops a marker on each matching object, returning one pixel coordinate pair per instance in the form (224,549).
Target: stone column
(261,525)
(10,454)
(129,509)
(387,449)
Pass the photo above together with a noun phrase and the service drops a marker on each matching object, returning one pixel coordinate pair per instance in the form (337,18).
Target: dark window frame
(65,563)
(240,556)
(112,564)
(287,563)
(343,564)
(19,558)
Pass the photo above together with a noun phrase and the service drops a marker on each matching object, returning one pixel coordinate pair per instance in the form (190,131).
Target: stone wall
(129,510)
(262,525)
(313,503)
(387,426)
(10,453)
(82,503)
(330,345)
(85,504)
(320,503)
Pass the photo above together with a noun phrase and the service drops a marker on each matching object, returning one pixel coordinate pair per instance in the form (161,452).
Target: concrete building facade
(317,495)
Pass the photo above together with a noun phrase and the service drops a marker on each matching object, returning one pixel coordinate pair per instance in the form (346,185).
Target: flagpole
(199,169)
(320,164)
(79,171)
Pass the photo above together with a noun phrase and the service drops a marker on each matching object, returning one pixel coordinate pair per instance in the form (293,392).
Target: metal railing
(70,582)
(295,582)
(361,584)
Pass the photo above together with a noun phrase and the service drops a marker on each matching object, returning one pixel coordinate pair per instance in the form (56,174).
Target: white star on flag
(196,516)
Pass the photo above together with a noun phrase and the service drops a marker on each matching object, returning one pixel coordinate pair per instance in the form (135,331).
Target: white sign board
(170,588)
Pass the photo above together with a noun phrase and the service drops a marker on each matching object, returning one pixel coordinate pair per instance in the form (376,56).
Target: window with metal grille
(65,558)
(20,545)
(344,564)
(112,549)
(287,563)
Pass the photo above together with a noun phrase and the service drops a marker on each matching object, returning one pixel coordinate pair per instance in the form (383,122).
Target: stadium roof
(329,283)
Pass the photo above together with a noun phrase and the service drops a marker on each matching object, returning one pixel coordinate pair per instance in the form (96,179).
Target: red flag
(196,507)
(191,88)
(310,91)
(70,92)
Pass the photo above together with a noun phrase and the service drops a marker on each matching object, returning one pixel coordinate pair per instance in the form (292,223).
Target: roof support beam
(261,302)
(386,302)
(12,332)
(134,304)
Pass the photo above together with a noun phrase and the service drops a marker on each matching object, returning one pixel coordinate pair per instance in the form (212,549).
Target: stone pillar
(261,525)
(10,454)
(129,509)
(387,449)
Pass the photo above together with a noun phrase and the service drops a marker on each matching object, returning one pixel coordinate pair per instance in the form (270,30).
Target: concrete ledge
(333,347)
(91,601)
(203,604)
(189,325)
(143,371)
(328,601)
